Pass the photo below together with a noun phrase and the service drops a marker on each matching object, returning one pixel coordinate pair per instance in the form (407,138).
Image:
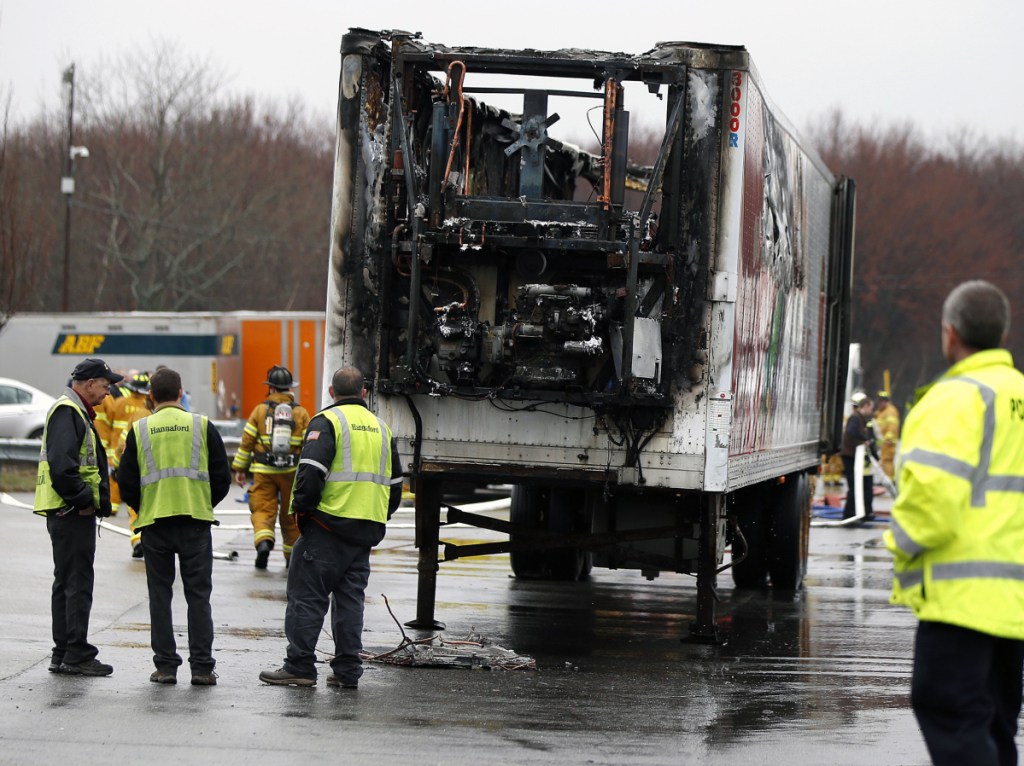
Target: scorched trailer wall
(649,353)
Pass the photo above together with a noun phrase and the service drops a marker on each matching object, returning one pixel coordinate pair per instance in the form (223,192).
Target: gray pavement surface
(822,677)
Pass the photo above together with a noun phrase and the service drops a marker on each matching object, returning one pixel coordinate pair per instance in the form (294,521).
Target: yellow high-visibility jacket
(359,478)
(957,531)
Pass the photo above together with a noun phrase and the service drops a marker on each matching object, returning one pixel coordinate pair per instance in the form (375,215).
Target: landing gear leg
(428,523)
(704,630)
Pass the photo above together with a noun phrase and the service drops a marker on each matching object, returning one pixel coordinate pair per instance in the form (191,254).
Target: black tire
(565,516)
(526,511)
(750,571)
(789,532)
(555,510)
(37,434)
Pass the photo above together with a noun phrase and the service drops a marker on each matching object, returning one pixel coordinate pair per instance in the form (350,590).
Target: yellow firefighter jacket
(254,450)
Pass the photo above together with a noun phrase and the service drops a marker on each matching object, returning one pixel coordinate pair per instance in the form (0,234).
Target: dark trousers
(966,694)
(191,542)
(850,507)
(74,549)
(324,565)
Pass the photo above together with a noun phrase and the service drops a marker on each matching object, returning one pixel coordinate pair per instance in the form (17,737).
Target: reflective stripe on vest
(346,473)
(357,486)
(963,570)
(980,479)
(193,471)
(46,497)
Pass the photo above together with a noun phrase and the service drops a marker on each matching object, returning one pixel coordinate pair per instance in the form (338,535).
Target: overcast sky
(944,65)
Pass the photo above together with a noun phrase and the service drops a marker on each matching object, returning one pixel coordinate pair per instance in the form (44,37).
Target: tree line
(192,199)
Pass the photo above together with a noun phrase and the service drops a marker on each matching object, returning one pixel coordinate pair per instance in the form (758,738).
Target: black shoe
(137,551)
(91,667)
(333,680)
(282,677)
(163,677)
(55,663)
(263,553)
(204,679)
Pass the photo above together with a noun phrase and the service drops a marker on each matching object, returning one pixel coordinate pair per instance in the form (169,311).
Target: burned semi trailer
(652,353)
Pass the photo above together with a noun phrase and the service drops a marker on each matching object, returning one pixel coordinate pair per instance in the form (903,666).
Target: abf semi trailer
(653,355)
(223,357)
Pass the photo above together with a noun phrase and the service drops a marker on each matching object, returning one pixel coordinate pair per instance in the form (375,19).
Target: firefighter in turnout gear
(270,449)
(957,537)
(128,410)
(104,425)
(887,422)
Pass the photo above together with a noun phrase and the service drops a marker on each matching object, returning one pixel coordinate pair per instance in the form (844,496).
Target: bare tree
(20,246)
(183,188)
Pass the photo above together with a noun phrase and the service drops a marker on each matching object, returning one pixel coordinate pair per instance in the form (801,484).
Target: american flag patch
(312,435)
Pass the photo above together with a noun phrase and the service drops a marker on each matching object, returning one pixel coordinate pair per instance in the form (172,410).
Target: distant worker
(858,430)
(72,489)
(270,448)
(175,470)
(128,410)
(348,485)
(887,422)
(104,424)
(957,537)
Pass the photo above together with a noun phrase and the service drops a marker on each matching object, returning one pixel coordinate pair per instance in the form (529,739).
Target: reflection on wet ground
(819,676)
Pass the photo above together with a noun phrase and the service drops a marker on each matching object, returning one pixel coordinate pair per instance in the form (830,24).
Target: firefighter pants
(887,458)
(269,497)
(966,694)
(115,496)
(136,537)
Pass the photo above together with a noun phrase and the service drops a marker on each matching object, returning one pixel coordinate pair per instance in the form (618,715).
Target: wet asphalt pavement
(822,677)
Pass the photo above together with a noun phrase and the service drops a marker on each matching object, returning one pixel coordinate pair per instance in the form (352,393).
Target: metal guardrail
(27,450)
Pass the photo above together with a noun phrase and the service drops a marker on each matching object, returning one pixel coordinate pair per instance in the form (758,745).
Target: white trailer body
(645,368)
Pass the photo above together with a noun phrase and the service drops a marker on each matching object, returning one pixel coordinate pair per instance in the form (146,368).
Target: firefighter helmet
(139,382)
(279,377)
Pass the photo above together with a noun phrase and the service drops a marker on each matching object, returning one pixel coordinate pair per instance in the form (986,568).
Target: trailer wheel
(526,511)
(789,532)
(553,510)
(750,571)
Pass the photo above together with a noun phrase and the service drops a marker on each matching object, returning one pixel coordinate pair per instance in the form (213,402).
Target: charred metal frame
(436,213)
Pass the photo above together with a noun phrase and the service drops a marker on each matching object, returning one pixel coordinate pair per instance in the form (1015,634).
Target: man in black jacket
(72,489)
(858,430)
(348,484)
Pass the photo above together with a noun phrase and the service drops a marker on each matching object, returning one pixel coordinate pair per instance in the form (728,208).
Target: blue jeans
(192,543)
(324,565)
(74,549)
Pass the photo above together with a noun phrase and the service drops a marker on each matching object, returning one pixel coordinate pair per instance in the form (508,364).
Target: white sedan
(22,410)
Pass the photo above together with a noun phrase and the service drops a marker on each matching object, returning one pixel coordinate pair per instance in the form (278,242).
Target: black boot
(263,553)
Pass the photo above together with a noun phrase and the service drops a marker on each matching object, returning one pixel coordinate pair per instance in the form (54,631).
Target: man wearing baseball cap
(72,489)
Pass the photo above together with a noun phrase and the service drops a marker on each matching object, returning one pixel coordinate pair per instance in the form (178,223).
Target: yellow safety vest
(173,466)
(359,480)
(957,531)
(47,498)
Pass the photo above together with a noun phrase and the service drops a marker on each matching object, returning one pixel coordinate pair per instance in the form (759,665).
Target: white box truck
(653,355)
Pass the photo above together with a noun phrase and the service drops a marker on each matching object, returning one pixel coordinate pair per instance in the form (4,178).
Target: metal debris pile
(474,651)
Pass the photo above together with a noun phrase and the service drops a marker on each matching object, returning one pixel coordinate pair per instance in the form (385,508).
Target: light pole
(67,181)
